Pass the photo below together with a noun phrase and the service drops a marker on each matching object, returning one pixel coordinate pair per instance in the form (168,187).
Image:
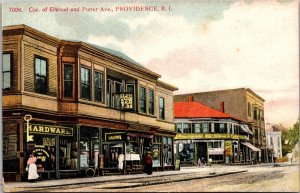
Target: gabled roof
(198,110)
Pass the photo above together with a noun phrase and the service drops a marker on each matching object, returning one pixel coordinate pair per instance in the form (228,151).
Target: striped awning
(246,129)
(251,146)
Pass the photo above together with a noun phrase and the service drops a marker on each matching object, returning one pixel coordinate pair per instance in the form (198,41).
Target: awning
(246,129)
(251,146)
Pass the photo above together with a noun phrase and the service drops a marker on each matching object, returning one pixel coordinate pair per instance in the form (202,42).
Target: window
(109,93)
(151,102)
(205,127)
(186,128)
(249,109)
(196,128)
(178,127)
(40,75)
(161,108)
(130,88)
(68,80)
(118,89)
(223,128)
(215,144)
(187,153)
(255,113)
(85,83)
(6,71)
(98,87)
(142,100)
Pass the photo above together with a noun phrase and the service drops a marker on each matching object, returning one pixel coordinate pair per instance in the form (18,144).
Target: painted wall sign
(50,129)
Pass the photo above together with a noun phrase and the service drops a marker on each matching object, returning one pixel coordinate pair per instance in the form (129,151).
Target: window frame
(10,71)
(101,86)
(161,108)
(89,85)
(151,102)
(143,100)
(47,74)
(72,80)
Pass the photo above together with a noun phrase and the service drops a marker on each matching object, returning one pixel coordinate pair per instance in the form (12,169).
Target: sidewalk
(205,172)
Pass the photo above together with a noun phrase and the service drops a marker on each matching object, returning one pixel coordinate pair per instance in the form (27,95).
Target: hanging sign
(126,101)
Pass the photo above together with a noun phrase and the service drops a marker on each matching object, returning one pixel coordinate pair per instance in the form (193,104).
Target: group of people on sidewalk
(201,162)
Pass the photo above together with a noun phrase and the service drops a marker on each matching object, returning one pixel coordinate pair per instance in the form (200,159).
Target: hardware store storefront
(68,151)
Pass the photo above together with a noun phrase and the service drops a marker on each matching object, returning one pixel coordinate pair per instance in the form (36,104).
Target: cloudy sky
(198,46)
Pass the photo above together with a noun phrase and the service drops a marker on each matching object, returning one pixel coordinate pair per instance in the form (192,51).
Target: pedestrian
(199,162)
(203,161)
(32,169)
(121,160)
(148,163)
(209,161)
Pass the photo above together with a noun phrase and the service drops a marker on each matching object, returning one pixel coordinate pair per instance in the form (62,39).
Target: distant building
(203,133)
(273,137)
(242,103)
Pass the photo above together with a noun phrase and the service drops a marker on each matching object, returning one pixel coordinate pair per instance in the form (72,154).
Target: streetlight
(27,118)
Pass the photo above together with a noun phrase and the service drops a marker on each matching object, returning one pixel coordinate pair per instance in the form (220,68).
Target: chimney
(190,99)
(222,109)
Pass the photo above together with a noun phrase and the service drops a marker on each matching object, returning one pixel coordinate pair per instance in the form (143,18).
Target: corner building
(242,103)
(84,106)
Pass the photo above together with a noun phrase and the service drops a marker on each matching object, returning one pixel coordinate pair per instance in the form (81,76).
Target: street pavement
(202,172)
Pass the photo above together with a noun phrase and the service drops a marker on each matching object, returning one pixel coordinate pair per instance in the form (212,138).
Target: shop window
(186,127)
(85,83)
(132,145)
(68,152)
(187,152)
(167,152)
(68,80)
(196,128)
(156,155)
(161,108)
(40,75)
(151,102)
(142,98)
(6,70)
(43,147)
(157,139)
(215,144)
(89,147)
(179,127)
(98,86)
(217,157)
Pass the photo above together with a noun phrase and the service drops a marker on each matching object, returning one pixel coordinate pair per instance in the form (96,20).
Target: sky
(197,46)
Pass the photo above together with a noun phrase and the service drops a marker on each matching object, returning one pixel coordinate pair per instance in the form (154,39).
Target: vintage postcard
(150,96)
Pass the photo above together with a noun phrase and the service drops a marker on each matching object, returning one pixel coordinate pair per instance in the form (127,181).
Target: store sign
(50,130)
(126,101)
(142,135)
(114,136)
(228,148)
(48,141)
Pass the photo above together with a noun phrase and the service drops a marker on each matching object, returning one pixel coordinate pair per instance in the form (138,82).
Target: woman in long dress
(32,170)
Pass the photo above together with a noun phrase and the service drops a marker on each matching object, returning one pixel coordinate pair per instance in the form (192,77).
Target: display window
(187,152)
(68,152)
(89,147)
(43,147)
(167,151)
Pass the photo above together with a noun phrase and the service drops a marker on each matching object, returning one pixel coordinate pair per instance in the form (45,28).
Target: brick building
(242,103)
(84,105)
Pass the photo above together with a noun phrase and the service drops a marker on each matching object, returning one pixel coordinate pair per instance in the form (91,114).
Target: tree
(289,138)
